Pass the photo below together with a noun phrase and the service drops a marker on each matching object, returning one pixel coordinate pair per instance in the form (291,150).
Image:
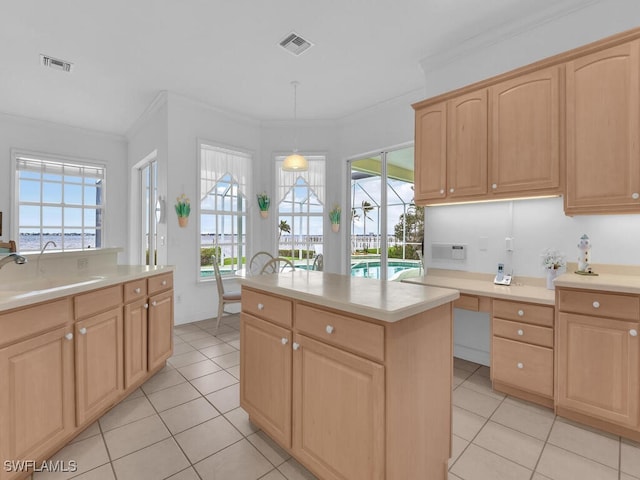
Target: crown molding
(503,32)
(159,101)
(230,114)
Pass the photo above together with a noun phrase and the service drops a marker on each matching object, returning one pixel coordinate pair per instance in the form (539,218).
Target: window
(150,209)
(59,201)
(300,211)
(223,209)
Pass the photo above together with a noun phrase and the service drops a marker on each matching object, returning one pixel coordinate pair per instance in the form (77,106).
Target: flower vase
(551,275)
(183,221)
(264,213)
(335,227)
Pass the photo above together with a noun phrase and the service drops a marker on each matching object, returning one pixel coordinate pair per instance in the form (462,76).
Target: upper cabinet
(603,131)
(525,134)
(567,125)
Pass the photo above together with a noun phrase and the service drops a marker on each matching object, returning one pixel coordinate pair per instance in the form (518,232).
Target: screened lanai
(386,226)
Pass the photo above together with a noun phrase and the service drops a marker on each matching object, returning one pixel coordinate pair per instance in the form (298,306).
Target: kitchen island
(351,376)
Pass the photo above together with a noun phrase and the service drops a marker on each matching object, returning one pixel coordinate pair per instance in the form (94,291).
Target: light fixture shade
(295,163)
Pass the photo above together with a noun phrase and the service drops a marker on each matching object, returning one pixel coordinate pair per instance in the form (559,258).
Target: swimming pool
(371,269)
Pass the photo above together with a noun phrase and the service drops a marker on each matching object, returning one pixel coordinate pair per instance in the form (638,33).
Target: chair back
(277,265)
(258,262)
(216,271)
(8,247)
(318,263)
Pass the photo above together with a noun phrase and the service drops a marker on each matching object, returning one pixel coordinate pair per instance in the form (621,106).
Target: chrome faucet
(50,242)
(13,257)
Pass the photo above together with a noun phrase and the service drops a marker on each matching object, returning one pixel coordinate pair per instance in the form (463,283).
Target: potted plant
(183,209)
(334,216)
(263,203)
(554,263)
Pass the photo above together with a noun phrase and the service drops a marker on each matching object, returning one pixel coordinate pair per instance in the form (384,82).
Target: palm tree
(366,208)
(283,227)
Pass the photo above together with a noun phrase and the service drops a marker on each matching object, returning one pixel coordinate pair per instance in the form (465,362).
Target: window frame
(16,154)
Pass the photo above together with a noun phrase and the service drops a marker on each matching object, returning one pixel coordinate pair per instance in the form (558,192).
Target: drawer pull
(296,346)
(137,290)
(146,305)
(520,332)
(520,365)
(633,332)
(442,191)
(260,306)
(154,303)
(521,313)
(69,336)
(494,186)
(596,304)
(83,331)
(164,282)
(284,340)
(451,190)
(329,329)
(635,195)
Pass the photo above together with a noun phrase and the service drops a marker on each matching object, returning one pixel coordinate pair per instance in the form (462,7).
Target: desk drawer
(625,307)
(523,312)
(262,305)
(355,335)
(523,332)
(527,367)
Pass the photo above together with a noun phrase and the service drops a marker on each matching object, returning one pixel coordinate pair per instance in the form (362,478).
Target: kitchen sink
(43,284)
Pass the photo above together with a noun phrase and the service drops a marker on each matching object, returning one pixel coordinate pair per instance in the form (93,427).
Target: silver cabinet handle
(164,282)
(296,346)
(154,303)
(329,329)
(633,332)
(520,365)
(83,331)
(520,332)
(146,305)
(521,313)
(69,336)
(137,290)
(284,340)
(442,191)
(451,190)
(596,304)
(494,186)
(260,306)
(635,195)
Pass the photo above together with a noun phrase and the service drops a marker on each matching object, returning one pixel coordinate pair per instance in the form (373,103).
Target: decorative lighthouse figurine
(584,256)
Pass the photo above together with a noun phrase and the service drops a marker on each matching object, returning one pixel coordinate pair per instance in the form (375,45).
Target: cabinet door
(160,329)
(525,134)
(36,396)
(430,162)
(265,376)
(598,369)
(99,353)
(338,412)
(603,131)
(135,342)
(467,145)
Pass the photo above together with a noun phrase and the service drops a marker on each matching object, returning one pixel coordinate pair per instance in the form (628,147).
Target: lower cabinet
(135,342)
(99,370)
(36,397)
(338,412)
(160,329)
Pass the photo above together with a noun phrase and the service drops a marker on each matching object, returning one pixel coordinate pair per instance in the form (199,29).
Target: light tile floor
(185,423)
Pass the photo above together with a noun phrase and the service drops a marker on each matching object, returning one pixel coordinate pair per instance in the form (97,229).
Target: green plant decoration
(183,206)
(334,215)
(263,201)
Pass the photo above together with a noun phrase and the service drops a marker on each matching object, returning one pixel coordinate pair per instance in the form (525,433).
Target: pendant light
(295,162)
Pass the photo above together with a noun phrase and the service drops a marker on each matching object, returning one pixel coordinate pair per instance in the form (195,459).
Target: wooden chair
(223,297)
(278,265)
(8,247)
(258,261)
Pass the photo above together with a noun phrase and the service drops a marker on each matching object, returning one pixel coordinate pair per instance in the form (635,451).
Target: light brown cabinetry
(603,131)
(430,153)
(160,323)
(598,359)
(36,383)
(98,351)
(525,133)
(348,397)
(522,350)
(135,331)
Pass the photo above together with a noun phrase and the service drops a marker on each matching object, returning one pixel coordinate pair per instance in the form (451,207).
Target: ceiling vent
(295,44)
(55,63)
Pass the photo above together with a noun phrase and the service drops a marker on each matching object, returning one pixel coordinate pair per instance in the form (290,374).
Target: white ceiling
(225,53)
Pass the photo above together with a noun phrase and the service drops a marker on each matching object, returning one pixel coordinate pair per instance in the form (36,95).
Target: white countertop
(523,289)
(51,286)
(610,282)
(385,301)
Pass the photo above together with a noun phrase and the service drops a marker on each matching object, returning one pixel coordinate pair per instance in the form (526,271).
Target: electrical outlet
(178,298)
(83,263)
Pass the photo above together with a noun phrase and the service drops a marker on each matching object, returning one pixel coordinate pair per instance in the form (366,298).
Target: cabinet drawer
(275,309)
(523,332)
(524,366)
(355,335)
(135,290)
(159,283)
(27,322)
(625,307)
(523,312)
(97,301)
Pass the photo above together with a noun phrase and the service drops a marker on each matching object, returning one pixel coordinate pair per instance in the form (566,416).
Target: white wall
(46,137)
